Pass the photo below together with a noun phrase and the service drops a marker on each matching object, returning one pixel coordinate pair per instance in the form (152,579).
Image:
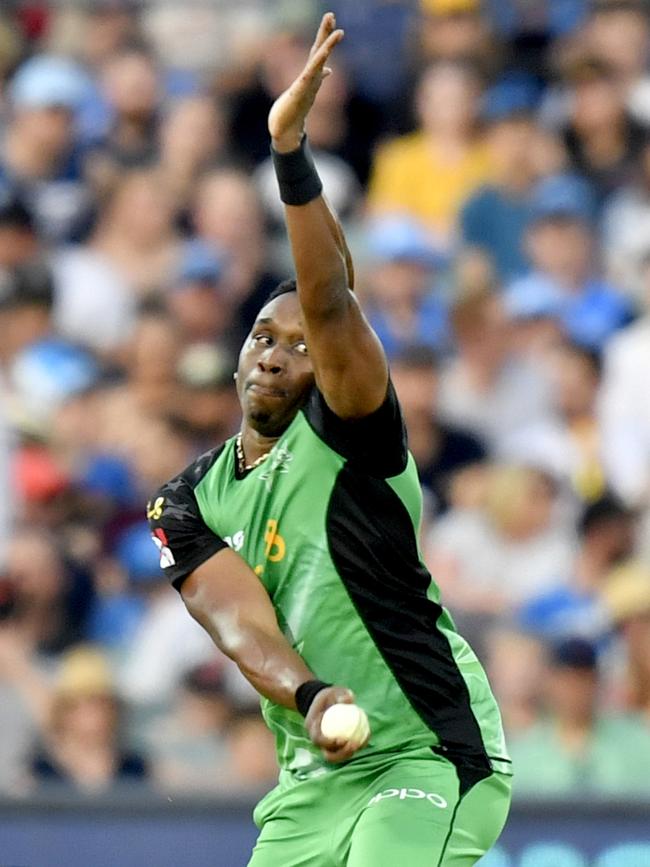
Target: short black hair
(281,289)
(603,511)
(14,214)
(574,652)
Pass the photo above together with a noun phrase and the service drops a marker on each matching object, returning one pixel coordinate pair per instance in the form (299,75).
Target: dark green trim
(450,831)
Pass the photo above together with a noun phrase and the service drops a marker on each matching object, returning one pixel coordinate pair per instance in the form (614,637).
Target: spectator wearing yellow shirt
(428,174)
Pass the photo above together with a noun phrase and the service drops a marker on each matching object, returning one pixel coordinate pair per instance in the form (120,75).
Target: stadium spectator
(206,405)
(40,161)
(47,608)
(192,138)
(26,300)
(403,287)
(101,320)
(131,253)
(42,368)
(428,174)
(495,217)
(228,216)
(603,140)
(560,243)
(132,90)
(491,558)
(24,688)
(135,236)
(617,34)
(81,744)
(197,298)
(457,30)
(486,388)
(188,744)
(515,662)
(574,749)
(252,766)
(385,31)
(134,416)
(575,606)
(442,452)
(568,442)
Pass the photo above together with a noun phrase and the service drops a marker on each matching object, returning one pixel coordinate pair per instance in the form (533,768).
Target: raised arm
(349,363)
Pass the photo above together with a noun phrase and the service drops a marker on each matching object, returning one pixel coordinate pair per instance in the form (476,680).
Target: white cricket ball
(345,722)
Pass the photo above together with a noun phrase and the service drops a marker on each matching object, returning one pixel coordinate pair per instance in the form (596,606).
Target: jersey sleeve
(375,445)
(179,531)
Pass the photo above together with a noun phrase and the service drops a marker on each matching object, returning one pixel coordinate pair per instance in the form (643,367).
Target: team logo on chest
(277,464)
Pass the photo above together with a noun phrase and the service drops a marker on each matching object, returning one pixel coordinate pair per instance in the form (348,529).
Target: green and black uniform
(329,521)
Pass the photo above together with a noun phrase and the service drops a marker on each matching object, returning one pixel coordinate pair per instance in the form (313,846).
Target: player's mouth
(266,390)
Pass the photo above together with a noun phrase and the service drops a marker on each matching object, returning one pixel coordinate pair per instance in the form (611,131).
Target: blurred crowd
(491,165)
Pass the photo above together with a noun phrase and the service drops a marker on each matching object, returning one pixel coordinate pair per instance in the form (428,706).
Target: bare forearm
(266,660)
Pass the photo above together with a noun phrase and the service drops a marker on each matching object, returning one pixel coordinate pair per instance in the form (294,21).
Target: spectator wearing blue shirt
(404,307)
(40,160)
(575,606)
(560,244)
(495,217)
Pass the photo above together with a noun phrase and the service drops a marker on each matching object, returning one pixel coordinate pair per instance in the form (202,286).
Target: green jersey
(329,522)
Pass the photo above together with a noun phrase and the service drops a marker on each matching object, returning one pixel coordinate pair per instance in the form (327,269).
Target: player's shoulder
(375,444)
(199,468)
(185,482)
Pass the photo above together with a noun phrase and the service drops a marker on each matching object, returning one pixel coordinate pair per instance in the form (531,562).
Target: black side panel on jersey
(375,444)
(177,527)
(375,553)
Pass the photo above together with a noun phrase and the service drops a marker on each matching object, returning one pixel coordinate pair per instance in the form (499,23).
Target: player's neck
(255,444)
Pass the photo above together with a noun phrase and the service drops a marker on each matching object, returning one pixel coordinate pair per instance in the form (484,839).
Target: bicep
(349,361)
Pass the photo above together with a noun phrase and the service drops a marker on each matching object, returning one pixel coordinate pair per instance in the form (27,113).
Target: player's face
(275,373)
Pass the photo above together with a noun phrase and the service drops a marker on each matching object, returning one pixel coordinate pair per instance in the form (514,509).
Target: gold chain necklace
(242,466)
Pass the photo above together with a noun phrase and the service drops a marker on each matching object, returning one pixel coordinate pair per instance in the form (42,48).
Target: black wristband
(307,692)
(297,176)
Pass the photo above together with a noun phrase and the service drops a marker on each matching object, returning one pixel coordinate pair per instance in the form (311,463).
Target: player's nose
(273,360)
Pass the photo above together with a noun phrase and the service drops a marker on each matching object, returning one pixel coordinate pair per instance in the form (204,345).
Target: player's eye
(301,348)
(264,339)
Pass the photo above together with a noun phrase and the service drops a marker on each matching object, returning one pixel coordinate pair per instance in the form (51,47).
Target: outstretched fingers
(327,25)
(318,59)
